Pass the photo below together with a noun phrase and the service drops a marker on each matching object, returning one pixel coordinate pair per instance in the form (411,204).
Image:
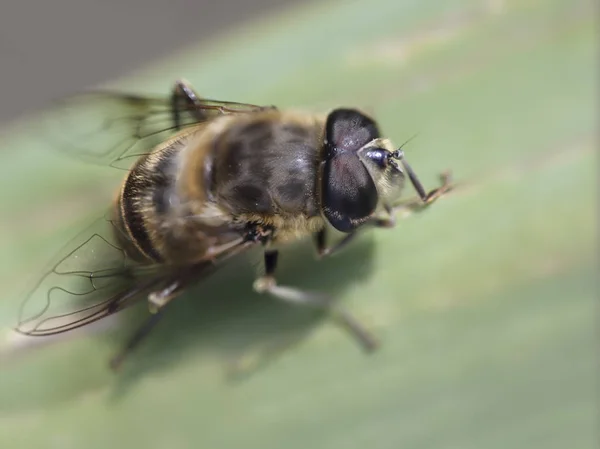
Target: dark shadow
(224,316)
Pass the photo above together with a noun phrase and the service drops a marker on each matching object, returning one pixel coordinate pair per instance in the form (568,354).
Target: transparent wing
(114,129)
(92,278)
(89,279)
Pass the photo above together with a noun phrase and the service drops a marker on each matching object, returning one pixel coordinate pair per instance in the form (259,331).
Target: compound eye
(349,195)
(379,156)
(349,130)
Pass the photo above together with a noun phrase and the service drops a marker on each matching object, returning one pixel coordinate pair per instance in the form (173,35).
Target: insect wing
(90,278)
(114,129)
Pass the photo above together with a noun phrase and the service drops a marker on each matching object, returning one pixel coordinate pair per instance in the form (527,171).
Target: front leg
(268,284)
(424,200)
(320,237)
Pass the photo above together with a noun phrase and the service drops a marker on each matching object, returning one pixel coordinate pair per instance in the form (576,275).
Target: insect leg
(422,202)
(268,284)
(173,286)
(183,94)
(432,195)
(158,299)
(135,339)
(320,240)
(320,237)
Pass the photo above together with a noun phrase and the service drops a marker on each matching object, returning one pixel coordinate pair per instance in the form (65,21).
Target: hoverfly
(207,180)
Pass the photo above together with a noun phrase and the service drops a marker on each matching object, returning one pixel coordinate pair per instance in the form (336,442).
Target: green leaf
(484,302)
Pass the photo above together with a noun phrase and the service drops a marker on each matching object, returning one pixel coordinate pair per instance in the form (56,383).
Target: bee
(207,180)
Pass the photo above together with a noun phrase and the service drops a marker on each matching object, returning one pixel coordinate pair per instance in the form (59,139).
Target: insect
(207,180)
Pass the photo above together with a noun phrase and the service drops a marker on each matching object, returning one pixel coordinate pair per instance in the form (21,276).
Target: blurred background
(485,303)
(78,44)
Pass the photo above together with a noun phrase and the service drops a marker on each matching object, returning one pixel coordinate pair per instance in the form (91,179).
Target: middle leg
(268,284)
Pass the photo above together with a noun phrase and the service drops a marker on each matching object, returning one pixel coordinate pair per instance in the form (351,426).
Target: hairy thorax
(202,188)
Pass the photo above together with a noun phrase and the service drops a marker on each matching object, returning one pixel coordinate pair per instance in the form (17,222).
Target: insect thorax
(200,191)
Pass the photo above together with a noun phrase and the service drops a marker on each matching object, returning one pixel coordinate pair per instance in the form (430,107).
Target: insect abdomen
(144,201)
